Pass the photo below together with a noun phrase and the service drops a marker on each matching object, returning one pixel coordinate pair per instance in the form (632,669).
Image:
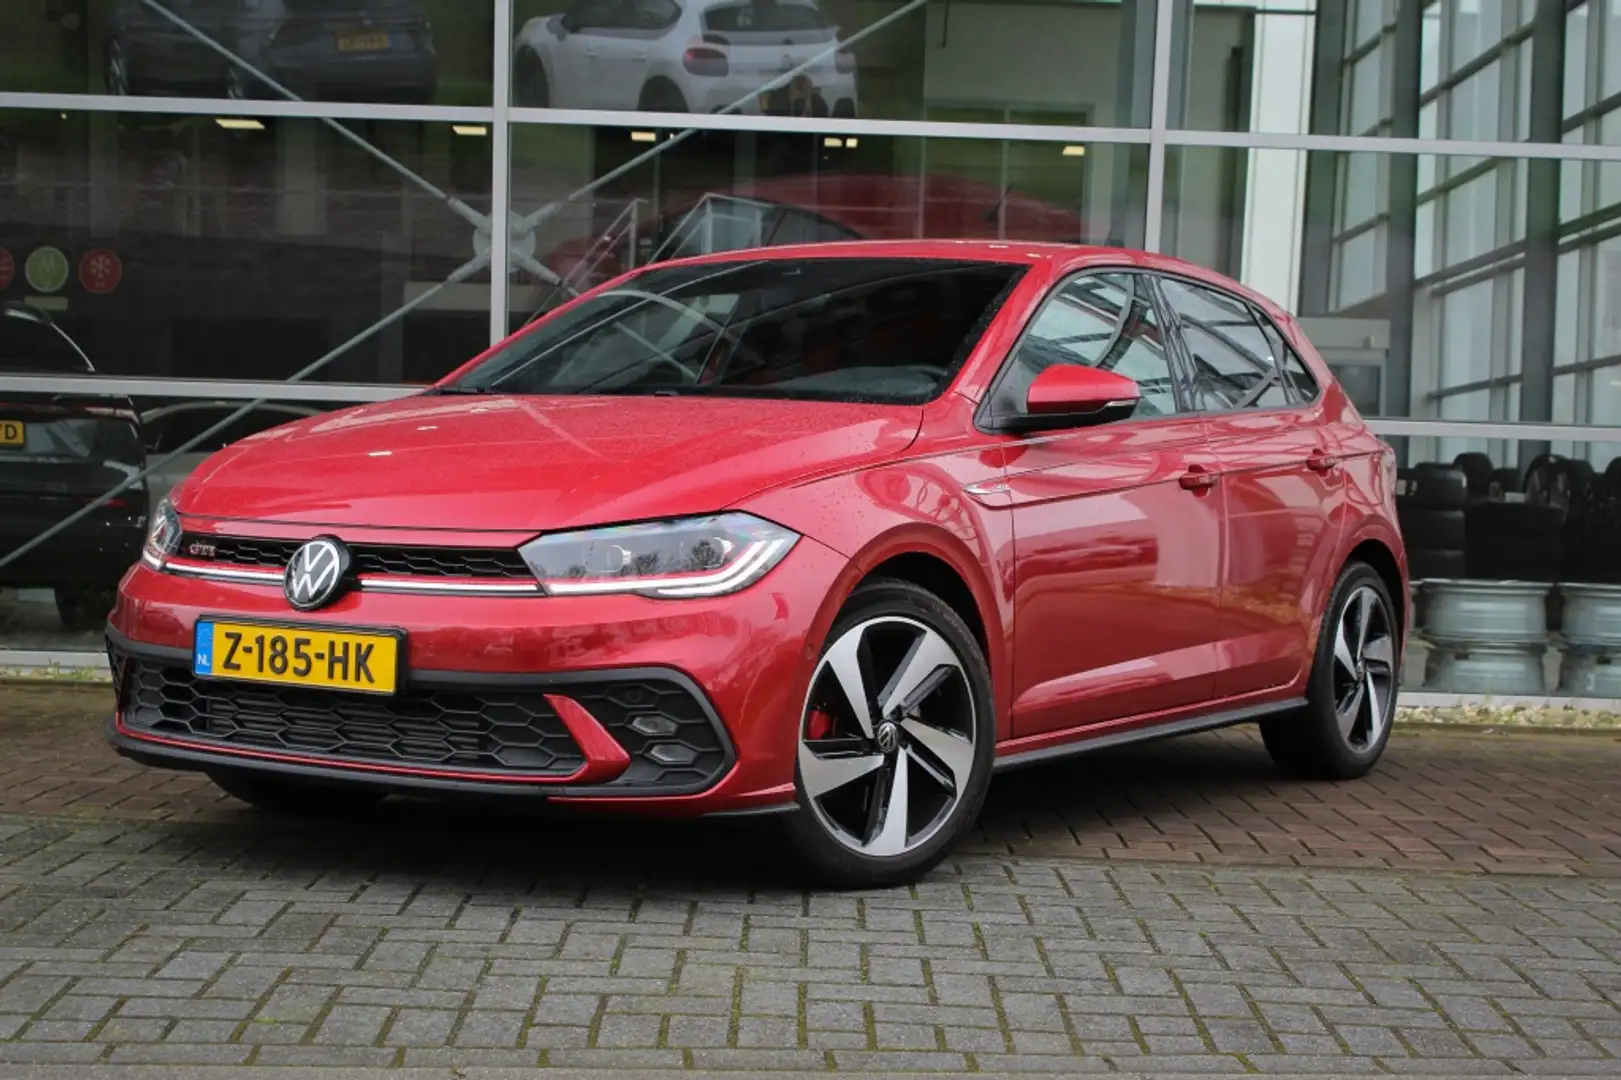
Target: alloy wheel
(886,742)
(1364,672)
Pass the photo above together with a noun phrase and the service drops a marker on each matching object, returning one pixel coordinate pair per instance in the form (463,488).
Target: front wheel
(895,741)
(1351,698)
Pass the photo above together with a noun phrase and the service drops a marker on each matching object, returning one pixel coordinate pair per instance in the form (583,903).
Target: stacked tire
(1515,541)
(1430,505)
(1593,532)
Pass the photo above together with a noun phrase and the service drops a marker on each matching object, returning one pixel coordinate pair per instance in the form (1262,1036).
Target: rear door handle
(1198,478)
(1321,462)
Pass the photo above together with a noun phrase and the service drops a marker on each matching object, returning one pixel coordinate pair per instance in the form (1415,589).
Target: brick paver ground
(1462,800)
(1156,911)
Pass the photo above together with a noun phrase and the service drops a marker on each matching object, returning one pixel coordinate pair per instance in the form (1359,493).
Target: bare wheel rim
(1364,669)
(886,741)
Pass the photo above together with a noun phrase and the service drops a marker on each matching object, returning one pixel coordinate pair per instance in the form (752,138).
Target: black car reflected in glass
(60,452)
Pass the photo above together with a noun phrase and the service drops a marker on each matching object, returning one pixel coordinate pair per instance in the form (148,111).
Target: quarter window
(1296,375)
(1105,321)
(1233,365)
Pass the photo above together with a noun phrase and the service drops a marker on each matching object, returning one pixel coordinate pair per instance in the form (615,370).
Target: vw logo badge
(316,573)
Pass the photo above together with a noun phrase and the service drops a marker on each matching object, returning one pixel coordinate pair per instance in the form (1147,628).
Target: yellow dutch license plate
(12,433)
(298,655)
(362,42)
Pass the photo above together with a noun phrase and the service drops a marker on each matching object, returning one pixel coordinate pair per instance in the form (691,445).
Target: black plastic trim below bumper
(199,757)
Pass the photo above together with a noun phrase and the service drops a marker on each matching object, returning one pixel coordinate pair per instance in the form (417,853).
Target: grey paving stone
(352,1025)
(324,951)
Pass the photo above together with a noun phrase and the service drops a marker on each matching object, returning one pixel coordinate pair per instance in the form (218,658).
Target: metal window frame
(501,116)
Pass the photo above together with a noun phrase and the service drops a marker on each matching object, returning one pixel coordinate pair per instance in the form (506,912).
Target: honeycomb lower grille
(365,558)
(675,744)
(455,730)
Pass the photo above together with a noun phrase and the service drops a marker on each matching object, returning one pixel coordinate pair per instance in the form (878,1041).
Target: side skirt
(1146,733)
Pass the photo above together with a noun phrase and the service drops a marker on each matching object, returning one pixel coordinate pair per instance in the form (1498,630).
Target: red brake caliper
(820,725)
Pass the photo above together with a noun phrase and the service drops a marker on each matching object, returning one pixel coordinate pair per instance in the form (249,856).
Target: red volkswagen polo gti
(835,531)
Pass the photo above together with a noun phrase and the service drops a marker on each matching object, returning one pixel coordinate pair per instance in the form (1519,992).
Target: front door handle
(1322,462)
(1199,478)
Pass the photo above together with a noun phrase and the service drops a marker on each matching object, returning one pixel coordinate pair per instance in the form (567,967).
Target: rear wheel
(662,95)
(529,84)
(293,798)
(895,741)
(1351,698)
(84,609)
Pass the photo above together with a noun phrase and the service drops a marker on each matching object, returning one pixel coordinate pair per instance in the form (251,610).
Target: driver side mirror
(569,23)
(1074,395)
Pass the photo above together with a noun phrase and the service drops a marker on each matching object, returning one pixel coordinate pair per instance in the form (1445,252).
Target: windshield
(886,331)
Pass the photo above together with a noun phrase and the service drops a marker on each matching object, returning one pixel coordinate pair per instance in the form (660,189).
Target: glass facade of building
(220,214)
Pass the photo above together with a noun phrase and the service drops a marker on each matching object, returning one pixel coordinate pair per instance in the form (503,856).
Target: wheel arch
(928,571)
(939,562)
(1376,553)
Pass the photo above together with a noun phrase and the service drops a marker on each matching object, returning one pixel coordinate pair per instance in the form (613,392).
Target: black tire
(1553,480)
(1488,520)
(1431,564)
(1612,479)
(530,86)
(1443,529)
(1433,487)
(1504,481)
(829,860)
(83,609)
(662,95)
(1477,472)
(293,798)
(1523,558)
(1308,742)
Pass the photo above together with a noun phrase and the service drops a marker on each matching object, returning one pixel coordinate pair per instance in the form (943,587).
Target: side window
(1102,320)
(1296,375)
(1233,366)
(599,15)
(652,14)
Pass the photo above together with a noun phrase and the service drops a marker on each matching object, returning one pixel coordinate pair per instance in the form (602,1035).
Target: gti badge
(316,573)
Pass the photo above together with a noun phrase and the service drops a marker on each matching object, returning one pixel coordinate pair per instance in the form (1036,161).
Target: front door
(1117,529)
(1284,488)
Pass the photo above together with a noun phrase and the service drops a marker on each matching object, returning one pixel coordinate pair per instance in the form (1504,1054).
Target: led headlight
(162,535)
(705,556)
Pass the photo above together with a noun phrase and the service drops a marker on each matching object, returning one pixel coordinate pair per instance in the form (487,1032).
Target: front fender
(915,507)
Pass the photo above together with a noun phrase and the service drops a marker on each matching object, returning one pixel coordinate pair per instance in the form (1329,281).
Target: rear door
(1117,527)
(623,51)
(1281,477)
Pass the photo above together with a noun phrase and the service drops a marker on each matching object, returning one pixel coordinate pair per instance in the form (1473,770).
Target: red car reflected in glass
(826,532)
(812,208)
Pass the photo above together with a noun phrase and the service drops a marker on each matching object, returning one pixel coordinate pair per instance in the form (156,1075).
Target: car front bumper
(670,707)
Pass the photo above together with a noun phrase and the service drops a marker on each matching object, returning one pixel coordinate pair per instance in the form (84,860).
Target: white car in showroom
(694,56)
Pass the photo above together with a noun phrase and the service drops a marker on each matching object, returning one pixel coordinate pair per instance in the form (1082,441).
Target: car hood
(532,463)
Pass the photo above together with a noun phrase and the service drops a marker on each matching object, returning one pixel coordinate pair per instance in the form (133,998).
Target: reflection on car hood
(532,463)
